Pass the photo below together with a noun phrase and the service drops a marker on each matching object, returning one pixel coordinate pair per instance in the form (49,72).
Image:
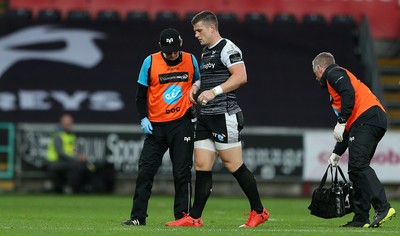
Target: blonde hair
(324,59)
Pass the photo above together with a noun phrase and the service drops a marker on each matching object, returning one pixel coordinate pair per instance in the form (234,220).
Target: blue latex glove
(146,126)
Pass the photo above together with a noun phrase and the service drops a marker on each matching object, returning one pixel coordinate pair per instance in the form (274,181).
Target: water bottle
(339,203)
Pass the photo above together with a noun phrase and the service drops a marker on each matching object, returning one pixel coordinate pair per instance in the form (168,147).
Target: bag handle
(341,174)
(323,180)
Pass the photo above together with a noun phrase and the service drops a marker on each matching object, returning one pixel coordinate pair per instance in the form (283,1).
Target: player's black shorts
(223,128)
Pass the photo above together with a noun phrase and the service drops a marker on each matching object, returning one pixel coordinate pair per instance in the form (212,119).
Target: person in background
(361,124)
(165,114)
(220,122)
(68,169)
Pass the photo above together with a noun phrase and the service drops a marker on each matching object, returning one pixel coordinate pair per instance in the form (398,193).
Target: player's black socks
(249,186)
(201,193)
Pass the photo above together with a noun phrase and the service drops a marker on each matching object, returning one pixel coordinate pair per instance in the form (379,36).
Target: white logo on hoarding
(80,49)
(42,100)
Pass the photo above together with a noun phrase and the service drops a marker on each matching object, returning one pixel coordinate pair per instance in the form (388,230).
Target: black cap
(170,40)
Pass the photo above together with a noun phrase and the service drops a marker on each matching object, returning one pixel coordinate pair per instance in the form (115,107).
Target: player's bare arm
(238,78)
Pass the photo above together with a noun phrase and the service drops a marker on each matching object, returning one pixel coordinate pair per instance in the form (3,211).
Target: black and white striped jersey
(215,62)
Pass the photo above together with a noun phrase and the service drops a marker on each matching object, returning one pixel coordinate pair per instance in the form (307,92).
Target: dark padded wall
(281,88)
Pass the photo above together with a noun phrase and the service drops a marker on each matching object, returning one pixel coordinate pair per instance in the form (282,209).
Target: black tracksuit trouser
(178,137)
(362,144)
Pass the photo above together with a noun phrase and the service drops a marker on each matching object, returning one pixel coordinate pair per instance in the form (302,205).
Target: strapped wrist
(217,90)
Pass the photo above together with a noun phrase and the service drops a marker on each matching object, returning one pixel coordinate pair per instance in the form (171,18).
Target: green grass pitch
(102,215)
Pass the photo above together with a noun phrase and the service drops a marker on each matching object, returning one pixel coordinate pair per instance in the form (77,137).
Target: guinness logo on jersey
(173,77)
(235,58)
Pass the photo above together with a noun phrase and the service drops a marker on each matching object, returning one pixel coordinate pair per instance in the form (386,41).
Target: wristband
(217,90)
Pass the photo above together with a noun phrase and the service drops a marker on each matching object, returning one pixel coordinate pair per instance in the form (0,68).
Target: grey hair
(324,59)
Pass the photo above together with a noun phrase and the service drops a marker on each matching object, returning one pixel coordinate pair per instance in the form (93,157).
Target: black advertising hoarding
(99,144)
(271,156)
(268,156)
(90,70)
(274,157)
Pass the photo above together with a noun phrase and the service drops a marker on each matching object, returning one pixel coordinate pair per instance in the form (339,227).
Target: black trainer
(356,224)
(134,222)
(383,216)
